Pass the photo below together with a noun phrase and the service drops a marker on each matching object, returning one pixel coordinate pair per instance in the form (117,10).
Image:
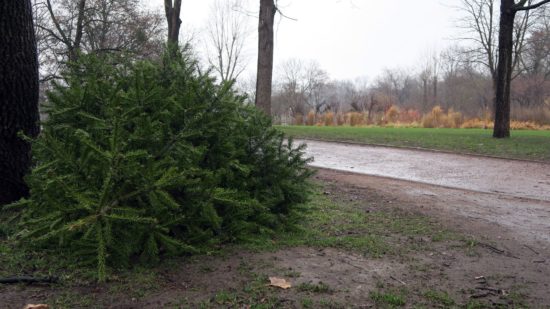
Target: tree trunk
(371,106)
(174,22)
(435,81)
(18,96)
(504,69)
(425,96)
(265,55)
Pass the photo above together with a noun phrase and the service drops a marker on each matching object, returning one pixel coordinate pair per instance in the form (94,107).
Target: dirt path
(504,177)
(507,194)
(463,259)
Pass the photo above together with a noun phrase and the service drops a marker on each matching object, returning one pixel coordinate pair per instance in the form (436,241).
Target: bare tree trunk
(265,55)
(425,96)
(18,96)
(435,81)
(371,106)
(504,69)
(73,46)
(173,11)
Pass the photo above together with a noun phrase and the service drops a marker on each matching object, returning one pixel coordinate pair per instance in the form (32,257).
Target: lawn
(524,144)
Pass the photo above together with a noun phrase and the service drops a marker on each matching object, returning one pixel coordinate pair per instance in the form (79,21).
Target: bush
(392,114)
(298,119)
(145,159)
(524,125)
(476,123)
(311,118)
(328,119)
(453,119)
(434,119)
(356,119)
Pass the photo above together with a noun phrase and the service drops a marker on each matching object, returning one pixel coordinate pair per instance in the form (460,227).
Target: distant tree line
(461,76)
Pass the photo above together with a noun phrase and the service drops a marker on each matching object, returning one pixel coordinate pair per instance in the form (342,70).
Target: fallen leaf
(279,282)
(38,306)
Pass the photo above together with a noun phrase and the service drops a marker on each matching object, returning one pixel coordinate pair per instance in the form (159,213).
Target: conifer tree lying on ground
(146,159)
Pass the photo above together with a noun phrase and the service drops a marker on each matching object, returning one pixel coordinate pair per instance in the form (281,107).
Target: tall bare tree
(227,33)
(172,9)
(302,85)
(265,55)
(66,28)
(508,11)
(18,96)
(480,21)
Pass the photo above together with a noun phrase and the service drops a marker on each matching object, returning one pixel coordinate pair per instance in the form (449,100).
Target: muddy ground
(478,264)
(513,178)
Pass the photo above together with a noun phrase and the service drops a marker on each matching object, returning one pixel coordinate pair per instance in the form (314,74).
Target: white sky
(349,38)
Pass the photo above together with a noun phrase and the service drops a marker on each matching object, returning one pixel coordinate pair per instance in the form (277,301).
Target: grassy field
(532,145)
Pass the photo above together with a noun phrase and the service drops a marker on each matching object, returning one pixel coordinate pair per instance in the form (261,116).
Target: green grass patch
(346,225)
(439,297)
(387,299)
(314,287)
(524,144)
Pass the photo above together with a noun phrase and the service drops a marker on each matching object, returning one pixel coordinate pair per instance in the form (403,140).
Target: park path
(511,178)
(510,196)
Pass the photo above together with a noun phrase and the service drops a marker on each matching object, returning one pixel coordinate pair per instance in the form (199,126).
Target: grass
(439,297)
(524,144)
(330,221)
(314,287)
(388,299)
(346,225)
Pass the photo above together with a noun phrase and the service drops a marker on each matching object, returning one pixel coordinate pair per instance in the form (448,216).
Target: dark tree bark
(504,69)
(18,96)
(508,10)
(265,55)
(173,10)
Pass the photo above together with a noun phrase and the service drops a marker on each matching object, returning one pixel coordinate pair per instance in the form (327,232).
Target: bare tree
(18,96)
(532,88)
(360,100)
(508,11)
(172,9)
(227,33)
(291,86)
(66,28)
(265,55)
(429,76)
(480,21)
(315,78)
(302,85)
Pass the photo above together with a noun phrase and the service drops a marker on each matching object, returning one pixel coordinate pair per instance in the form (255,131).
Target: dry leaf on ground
(279,282)
(38,306)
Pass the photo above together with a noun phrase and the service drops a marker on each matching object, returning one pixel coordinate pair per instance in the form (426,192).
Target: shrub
(453,119)
(476,123)
(409,116)
(434,119)
(539,115)
(145,159)
(356,119)
(392,114)
(328,119)
(298,119)
(310,118)
(524,125)
(340,119)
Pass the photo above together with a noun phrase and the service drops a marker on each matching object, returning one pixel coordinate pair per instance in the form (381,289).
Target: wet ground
(491,257)
(510,178)
(510,195)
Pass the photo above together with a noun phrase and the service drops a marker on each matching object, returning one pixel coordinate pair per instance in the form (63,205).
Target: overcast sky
(349,38)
